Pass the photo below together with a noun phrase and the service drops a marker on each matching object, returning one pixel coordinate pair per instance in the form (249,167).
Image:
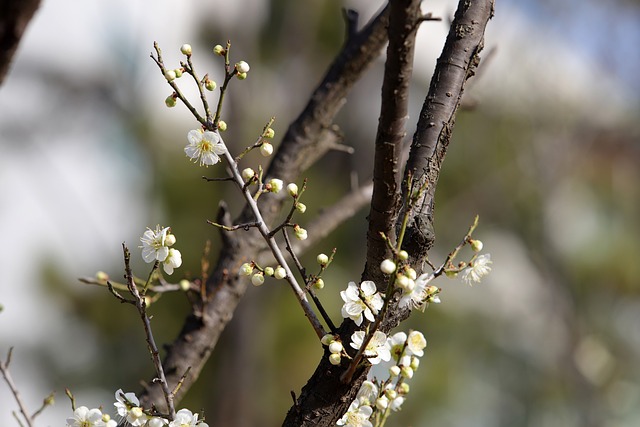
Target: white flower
(127,406)
(396,342)
(173,260)
(415,298)
(477,270)
(416,343)
(185,418)
(368,393)
(358,301)
(356,416)
(396,403)
(156,422)
(153,244)
(377,349)
(205,147)
(85,417)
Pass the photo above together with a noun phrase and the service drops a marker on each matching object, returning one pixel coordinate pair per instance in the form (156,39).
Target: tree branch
(324,398)
(306,140)
(14,18)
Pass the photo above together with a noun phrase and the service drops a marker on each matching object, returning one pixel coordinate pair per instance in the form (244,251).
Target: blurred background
(546,151)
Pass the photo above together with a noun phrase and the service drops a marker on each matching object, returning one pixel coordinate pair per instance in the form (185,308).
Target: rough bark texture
(385,202)
(458,62)
(324,398)
(308,138)
(14,17)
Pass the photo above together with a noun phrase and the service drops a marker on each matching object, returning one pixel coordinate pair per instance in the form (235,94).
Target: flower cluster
(258,274)
(156,246)
(376,399)
(128,409)
(336,349)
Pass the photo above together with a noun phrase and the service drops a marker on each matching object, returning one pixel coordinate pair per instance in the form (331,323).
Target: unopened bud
(222,125)
(242,67)
(257,279)
(335,347)
(280,272)
(209,84)
(266,149)
(170,240)
(334,359)
(268,271)
(319,283)
(476,245)
(387,266)
(322,259)
(327,339)
(219,50)
(403,255)
(274,185)
(301,233)
(269,133)
(171,101)
(185,285)
(102,276)
(170,75)
(241,76)
(178,72)
(292,188)
(301,207)
(246,269)
(186,49)
(248,174)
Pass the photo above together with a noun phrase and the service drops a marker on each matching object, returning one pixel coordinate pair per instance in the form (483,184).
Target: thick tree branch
(404,21)
(458,62)
(14,17)
(324,398)
(307,139)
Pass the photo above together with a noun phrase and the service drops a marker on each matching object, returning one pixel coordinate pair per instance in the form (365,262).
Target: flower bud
(322,259)
(335,347)
(209,84)
(274,185)
(404,388)
(391,393)
(242,67)
(327,339)
(415,363)
(410,273)
(268,271)
(219,50)
(301,233)
(186,49)
(241,76)
(248,174)
(319,283)
(406,372)
(170,75)
(292,188)
(156,422)
(266,149)
(269,133)
(222,125)
(136,412)
(394,371)
(178,72)
(185,285)
(476,245)
(334,359)
(387,266)
(405,283)
(171,101)
(382,403)
(431,290)
(102,276)
(257,279)
(246,269)
(403,255)
(450,273)
(170,240)
(301,207)
(280,272)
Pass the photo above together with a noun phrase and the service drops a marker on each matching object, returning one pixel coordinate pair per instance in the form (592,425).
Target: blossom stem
(151,344)
(200,85)
(457,249)
(4,369)
(273,245)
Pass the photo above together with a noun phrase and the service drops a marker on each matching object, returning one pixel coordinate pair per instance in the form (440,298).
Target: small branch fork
(26,418)
(141,305)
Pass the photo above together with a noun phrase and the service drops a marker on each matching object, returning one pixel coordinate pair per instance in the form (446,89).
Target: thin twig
(4,369)
(244,227)
(153,349)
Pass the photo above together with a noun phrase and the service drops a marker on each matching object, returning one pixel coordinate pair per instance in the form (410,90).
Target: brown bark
(14,18)
(325,398)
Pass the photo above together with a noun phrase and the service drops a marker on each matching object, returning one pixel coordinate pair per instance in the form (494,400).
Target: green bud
(186,49)
(170,101)
(222,125)
(269,133)
(241,76)
(219,50)
(185,285)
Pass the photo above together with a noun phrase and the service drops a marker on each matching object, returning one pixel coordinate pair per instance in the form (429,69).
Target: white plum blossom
(416,343)
(173,260)
(368,393)
(416,297)
(358,301)
(396,343)
(154,245)
(156,422)
(128,406)
(477,269)
(356,416)
(185,418)
(85,417)
(377,349)
(204,146)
